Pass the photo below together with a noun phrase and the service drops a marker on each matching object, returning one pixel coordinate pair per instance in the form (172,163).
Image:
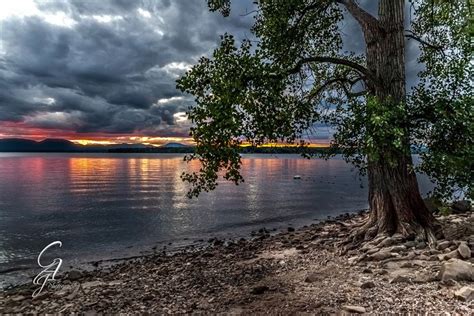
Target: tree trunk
(395,202)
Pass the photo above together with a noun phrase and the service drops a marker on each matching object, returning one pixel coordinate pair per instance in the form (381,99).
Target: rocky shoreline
(296,271)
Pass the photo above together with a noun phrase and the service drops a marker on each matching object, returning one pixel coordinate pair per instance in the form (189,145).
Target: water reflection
(98,205)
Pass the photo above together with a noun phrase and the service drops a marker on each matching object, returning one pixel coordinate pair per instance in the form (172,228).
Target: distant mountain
(58,145)
(17,144)
(174,145)
(53,144)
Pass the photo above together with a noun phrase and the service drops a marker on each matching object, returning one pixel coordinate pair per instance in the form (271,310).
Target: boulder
(464,250)
(465,293)
(463,206)
(457,270)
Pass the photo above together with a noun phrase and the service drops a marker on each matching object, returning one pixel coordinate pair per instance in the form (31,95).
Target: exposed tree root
(359,235)
(369,231)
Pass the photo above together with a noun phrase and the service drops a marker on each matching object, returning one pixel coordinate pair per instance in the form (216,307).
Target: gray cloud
(108,68)
(112,67)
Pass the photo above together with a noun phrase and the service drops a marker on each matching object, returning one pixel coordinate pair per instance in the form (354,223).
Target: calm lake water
(114,205)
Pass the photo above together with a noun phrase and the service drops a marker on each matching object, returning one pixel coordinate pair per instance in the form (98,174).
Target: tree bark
(396,205)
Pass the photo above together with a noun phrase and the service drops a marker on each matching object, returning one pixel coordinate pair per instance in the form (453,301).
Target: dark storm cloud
(107,68)
(112,66)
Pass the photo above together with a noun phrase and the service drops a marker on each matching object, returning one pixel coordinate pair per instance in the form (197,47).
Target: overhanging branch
(333,60)
(341,82)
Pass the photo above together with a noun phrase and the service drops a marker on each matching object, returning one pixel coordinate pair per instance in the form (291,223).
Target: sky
(105,71)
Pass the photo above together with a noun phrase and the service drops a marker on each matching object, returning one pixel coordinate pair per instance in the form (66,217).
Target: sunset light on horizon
(21,130)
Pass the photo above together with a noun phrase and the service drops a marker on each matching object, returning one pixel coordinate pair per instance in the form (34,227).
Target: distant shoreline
(181,150)
(66,146)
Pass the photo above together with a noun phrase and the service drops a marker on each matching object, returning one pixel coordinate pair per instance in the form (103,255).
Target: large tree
(294,73)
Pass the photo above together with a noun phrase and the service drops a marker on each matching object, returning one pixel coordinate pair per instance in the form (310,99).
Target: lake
(114,205)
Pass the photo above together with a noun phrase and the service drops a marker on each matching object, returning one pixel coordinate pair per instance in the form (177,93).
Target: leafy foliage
(442,105)
(223,6)
(296,74)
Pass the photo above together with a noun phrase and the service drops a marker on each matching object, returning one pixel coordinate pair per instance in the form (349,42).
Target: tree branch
(422,41)
(322,87)
(365,19)
(315,5)
(341,82)
(351,94)
(333,60)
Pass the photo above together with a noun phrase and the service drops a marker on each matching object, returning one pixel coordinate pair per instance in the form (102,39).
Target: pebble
(398,248)
(260,289)
(372,251)
(451,255)
(18,298)
(465,293)
(399,279)
(367,285)
(381,255)
(222,280)
(74,275)
(444,244)
(389,241)
(354,309)
(312,277)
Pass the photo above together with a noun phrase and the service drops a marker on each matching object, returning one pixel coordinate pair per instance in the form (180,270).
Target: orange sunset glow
(21,130)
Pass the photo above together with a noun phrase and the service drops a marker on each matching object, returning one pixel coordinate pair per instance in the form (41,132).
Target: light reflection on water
(100,204)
